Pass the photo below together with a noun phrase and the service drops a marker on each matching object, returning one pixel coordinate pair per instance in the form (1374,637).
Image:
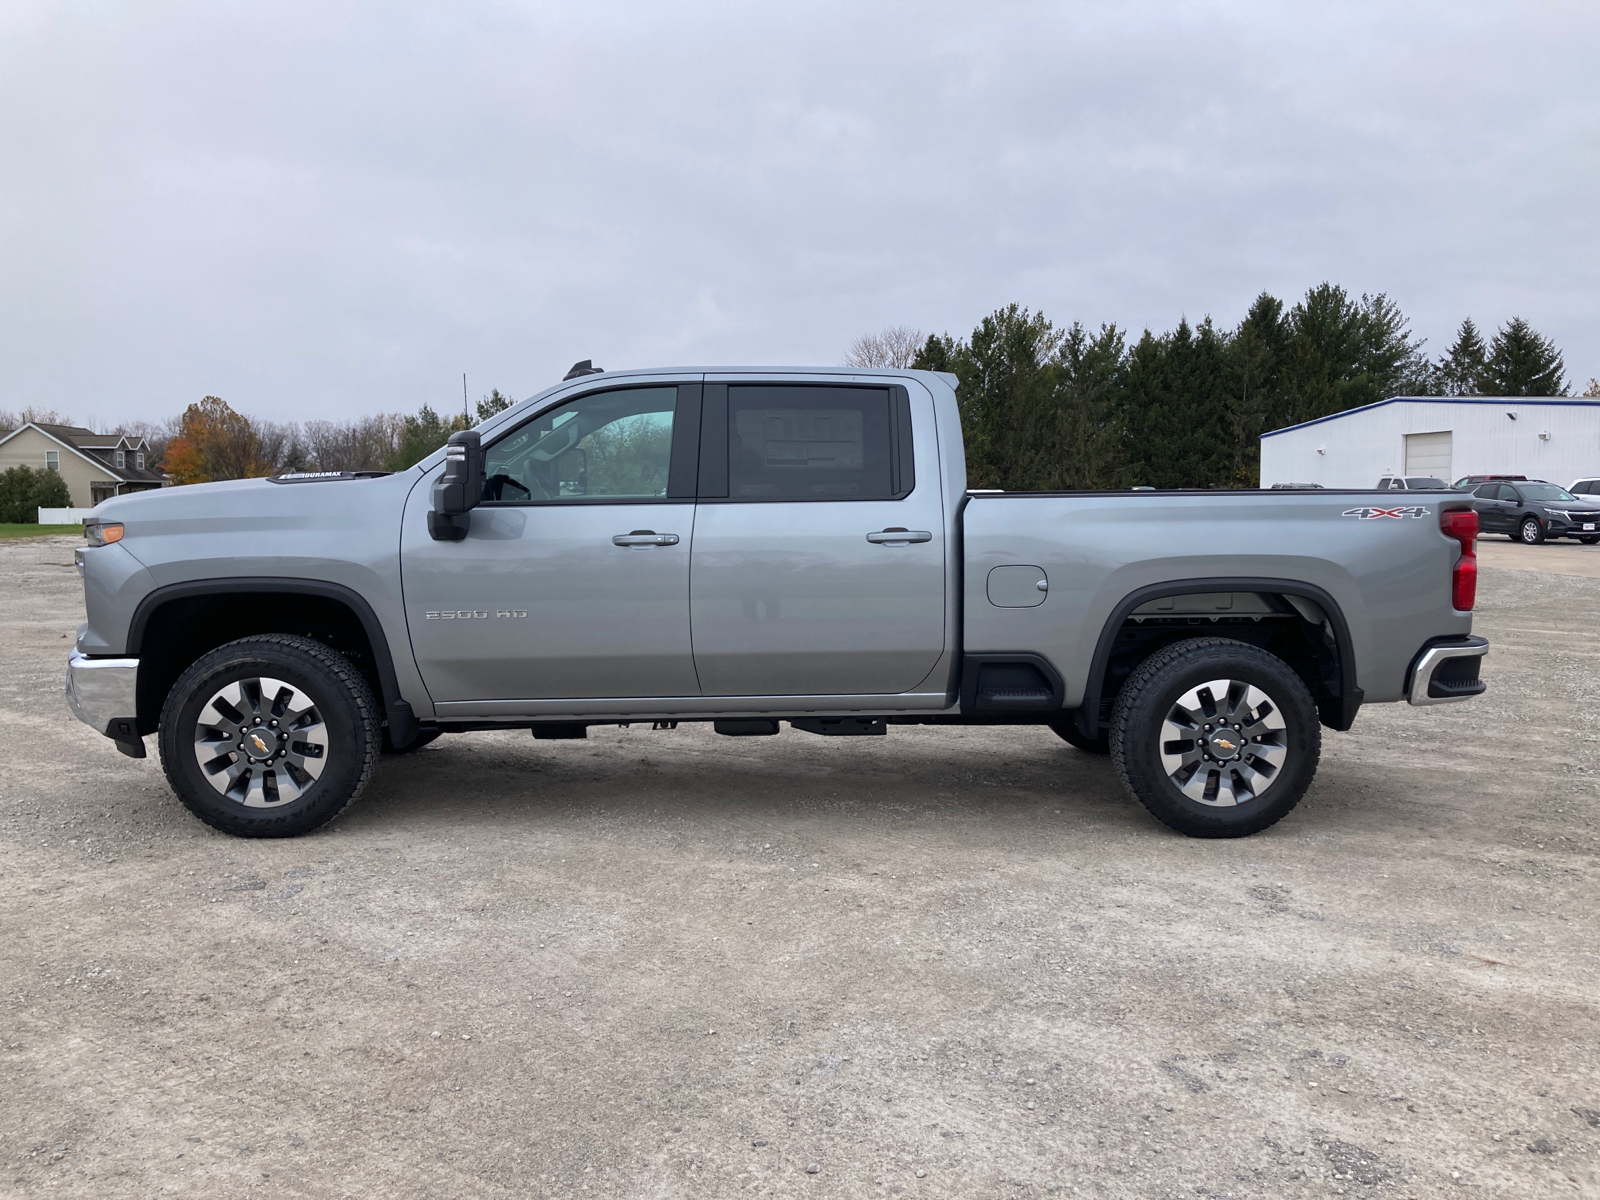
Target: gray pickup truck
(749,547)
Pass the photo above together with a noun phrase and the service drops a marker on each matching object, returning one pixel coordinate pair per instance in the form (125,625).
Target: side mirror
(459,488)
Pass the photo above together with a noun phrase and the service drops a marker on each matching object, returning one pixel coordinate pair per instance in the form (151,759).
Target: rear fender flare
(1350,695)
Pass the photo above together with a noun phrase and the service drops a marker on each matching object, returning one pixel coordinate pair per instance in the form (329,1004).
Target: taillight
(1462,524)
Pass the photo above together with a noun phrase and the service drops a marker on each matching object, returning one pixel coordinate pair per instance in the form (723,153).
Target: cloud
(337,208)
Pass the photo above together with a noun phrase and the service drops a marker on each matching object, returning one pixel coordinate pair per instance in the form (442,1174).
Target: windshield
(1424,482)
(1545,491)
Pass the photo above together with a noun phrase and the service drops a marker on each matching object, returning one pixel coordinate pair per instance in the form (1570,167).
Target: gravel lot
(943,963)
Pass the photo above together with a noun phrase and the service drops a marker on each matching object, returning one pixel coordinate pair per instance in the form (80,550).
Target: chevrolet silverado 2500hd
(750,547)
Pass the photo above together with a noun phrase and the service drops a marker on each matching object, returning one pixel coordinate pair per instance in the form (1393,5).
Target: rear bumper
(1446,670)
(103,694)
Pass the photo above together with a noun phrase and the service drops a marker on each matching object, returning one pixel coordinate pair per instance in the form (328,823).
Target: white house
(1551,438)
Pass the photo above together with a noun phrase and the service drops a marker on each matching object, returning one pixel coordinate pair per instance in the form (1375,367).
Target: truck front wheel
(269,736)
(1215,737)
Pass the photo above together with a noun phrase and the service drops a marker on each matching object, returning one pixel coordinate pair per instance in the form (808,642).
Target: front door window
(599,449)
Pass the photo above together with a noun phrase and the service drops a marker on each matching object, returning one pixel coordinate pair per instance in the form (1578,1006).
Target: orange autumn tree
(214,442)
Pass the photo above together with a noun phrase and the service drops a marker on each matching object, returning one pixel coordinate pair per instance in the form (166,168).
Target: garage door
(1428,454)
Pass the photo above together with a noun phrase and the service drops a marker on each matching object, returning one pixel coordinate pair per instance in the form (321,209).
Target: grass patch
(18,531)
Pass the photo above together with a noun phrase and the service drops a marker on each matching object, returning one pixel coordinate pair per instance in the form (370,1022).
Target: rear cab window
(789,442)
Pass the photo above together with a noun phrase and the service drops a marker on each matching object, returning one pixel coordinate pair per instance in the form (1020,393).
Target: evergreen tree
(1345,353)
(420,436)
(1461,370)
(494,402)
(1088,381)
(1524,363)
(1175,402)
(1255,352)
(1390,359)
(1008,417)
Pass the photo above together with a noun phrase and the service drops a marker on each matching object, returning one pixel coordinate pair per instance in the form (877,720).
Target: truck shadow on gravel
(492,779)
(515,781)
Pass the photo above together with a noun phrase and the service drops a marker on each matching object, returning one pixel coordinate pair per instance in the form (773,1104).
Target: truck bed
(1107,555)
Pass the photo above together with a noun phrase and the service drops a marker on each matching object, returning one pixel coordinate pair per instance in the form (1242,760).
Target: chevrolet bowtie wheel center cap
(1225,743)
(261,742)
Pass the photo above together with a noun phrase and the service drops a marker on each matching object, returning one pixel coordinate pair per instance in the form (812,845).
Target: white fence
(64,516)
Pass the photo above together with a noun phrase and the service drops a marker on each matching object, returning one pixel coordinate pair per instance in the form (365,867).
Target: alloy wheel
(261,742)
(1223,743)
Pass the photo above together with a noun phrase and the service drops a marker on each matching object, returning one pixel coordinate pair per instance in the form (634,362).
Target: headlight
(103,533)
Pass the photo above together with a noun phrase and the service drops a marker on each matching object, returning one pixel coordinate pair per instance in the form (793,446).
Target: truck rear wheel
(269,736)
(1215,737)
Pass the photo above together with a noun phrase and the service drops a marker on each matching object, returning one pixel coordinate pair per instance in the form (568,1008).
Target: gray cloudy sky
(328,208)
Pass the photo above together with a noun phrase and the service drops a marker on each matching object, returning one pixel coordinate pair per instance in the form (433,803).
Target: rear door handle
(899,537)
(645,537)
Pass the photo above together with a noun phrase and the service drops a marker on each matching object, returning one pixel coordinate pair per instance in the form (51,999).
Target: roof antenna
(586,367)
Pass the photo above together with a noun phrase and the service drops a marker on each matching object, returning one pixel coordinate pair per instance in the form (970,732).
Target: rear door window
(797,442)
(1487,491)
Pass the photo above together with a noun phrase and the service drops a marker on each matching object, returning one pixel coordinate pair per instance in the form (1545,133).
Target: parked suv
(1586,487)
(1412,483)
(1468,482)
(1529,512)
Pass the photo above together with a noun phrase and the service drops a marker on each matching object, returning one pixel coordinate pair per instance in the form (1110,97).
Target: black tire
(337,712)
(1590,539)
(1152,694)
(1068,731)
(1530,532)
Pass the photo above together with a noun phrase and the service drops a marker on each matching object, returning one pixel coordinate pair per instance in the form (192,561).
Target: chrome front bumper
(1428,686)
(103,691)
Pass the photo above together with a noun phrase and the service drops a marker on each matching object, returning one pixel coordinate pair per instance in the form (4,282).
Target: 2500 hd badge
(476,614)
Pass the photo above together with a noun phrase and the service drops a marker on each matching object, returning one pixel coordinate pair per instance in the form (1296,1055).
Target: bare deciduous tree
(42,416)
(894,347)
(358,445)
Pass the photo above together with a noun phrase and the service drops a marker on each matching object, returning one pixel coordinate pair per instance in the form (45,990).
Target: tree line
(211,441)
(1045,408)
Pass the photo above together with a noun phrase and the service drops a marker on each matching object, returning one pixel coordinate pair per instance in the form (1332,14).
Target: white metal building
(1543,438)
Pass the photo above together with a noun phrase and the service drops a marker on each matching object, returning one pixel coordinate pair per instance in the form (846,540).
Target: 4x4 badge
(1367,514)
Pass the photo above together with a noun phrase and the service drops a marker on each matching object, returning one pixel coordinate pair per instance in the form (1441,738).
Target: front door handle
(645,537)
(899,537)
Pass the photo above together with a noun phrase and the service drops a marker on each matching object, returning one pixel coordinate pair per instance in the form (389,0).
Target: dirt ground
(942,963)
